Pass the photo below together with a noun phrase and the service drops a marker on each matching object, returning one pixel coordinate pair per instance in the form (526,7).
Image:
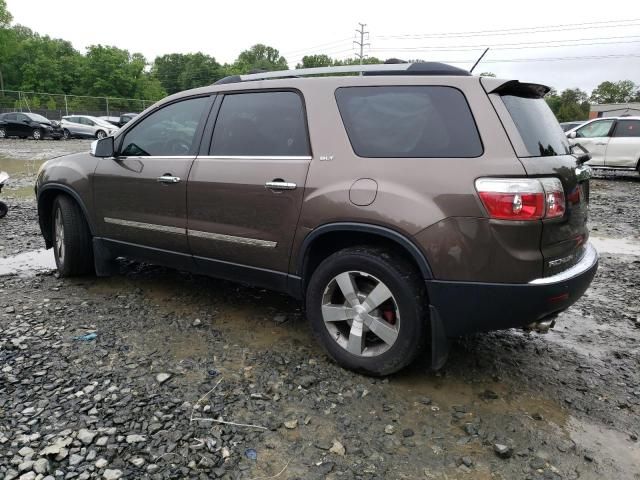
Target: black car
(25,125)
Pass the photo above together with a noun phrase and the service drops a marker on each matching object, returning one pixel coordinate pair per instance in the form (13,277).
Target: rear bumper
(465,307)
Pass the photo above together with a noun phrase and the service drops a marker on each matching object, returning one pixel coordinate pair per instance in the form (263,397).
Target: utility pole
(361,43)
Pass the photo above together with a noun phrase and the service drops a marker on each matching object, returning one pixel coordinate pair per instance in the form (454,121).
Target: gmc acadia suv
(404,206)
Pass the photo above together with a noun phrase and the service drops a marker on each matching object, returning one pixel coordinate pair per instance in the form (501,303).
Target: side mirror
(102,148)
(572,134)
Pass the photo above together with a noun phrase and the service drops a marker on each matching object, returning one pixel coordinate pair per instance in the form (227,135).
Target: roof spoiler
(514,87)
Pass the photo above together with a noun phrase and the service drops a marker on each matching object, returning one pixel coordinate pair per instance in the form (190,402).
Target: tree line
(37,63)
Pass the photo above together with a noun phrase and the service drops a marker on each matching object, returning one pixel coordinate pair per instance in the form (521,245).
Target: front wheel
(100,134)
(3,209)
(37,134)
(367,307)
(66,134)
(71,238)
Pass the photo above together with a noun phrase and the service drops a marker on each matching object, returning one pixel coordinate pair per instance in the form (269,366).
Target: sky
(588,42)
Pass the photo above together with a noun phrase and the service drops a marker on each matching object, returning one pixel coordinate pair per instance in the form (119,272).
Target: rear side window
(537,125)
(409,122)
(169,131)
(261,124)
(627,128)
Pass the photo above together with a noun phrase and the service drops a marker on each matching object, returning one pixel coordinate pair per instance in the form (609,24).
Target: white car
(86,126)
(613,142)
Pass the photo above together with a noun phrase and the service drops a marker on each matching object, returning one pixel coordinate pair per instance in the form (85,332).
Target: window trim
(213,121)
(473,118)
(619,122)
(197,136)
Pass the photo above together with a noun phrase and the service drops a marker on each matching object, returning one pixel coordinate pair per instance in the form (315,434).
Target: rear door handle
(279,184)
(166,178)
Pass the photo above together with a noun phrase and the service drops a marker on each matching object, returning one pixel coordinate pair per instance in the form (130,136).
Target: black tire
(76,256)
(100,134)
(37,134)
(3,133)
(66,134)
(3,209)
(408,291)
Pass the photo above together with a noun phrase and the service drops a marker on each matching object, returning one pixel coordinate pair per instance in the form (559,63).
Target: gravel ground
(191,377)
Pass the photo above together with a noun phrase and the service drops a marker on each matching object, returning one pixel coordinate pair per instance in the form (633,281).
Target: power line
(305,49)
(546,59)
(521,30)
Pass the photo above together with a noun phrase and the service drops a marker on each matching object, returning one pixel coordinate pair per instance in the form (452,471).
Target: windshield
(537,126)
(38,118)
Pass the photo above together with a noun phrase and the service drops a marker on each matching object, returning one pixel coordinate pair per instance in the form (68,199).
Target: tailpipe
(541,326)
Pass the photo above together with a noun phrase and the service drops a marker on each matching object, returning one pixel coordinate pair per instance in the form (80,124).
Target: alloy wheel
(36,134)
(360,313)
(101,135)
(3,134)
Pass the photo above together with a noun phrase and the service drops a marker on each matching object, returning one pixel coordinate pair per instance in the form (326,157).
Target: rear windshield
(409,122)
(537,125)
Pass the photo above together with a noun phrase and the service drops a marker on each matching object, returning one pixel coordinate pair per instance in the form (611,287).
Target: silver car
(613,142)
(86,126)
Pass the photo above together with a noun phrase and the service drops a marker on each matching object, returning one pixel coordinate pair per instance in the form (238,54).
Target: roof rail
(421,68)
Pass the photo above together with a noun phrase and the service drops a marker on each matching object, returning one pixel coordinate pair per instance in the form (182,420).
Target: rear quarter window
(627,128)
(537,126)
(409,122)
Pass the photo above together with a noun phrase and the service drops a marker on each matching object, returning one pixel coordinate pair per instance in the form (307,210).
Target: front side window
(627,128)
(261,124)
(169,131)
(595,129)
(408,121)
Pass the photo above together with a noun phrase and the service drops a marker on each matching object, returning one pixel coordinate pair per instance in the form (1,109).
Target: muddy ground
(175,355)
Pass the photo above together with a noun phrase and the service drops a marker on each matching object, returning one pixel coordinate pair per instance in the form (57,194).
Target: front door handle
(167,178)
(279,184)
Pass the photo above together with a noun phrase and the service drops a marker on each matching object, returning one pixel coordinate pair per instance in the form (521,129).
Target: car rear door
(624,146)
(544,151)
(140,195)
(245,192)
(595,136)
(11,126)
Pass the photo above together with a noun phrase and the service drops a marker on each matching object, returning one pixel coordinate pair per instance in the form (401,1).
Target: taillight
(522,198)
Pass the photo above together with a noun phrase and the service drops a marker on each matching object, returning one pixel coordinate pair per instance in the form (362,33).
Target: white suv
(86,126)
(613,142)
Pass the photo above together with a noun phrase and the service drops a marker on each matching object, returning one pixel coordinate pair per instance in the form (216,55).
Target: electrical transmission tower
(361,31)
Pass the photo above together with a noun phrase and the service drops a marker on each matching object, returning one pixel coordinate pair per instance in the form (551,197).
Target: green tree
(622,91)
(177,72)
(258,57)
(5,15)
(311,61)
(571,104)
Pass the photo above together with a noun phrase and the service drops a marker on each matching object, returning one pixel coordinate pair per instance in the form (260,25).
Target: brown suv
(405,206)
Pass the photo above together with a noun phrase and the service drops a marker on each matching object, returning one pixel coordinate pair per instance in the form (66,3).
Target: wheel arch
(329,238)
(46,196)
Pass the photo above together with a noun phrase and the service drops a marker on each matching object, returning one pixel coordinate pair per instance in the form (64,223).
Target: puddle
(16,167)
(28,262)
(609,446)
(616,246)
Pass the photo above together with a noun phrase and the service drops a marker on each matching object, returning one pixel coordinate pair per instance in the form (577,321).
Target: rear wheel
(367,307)
(37,134)
(71,238)
(3,209)
(3,133)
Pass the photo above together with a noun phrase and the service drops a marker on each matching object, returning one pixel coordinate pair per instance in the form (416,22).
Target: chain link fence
(54,106)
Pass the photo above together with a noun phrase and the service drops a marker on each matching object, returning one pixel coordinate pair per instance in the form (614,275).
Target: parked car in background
(24,125)
(566,126)
(121,120)
(613,142)
(86,126)
(407,206)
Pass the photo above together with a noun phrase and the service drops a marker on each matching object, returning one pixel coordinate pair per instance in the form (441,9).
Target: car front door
(140,194)
(594,136)
(624,147)
(244,195)
(23,127)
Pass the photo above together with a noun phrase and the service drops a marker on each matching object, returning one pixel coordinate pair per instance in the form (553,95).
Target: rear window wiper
(581,157)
